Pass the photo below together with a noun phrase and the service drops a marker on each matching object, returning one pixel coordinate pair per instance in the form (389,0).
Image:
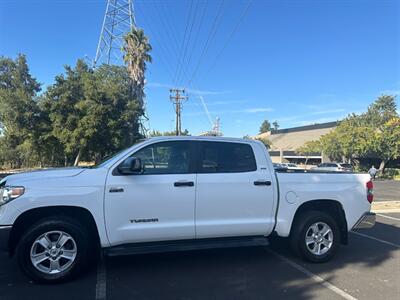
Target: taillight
(370,191)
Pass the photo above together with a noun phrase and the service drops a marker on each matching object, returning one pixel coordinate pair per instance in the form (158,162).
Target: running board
(186,245)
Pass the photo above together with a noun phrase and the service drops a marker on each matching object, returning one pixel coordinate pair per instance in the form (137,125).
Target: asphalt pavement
(386,190)
(368,268)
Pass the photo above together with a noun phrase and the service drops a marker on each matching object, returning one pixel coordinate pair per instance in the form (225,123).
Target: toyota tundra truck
(171,194)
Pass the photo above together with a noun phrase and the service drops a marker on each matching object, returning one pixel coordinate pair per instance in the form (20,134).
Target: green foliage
(265,126)
(137,48)
(275,125)
(92,111)
(85,114)
(265,141)
(374,134)
(154,133)
(310,147)
(19,113)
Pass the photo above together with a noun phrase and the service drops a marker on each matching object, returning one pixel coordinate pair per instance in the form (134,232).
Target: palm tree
(137,48)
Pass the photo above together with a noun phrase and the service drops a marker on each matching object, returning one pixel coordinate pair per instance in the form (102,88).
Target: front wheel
(54,250)
(315,236)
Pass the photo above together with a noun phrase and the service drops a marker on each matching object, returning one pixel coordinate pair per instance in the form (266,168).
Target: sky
(298,62)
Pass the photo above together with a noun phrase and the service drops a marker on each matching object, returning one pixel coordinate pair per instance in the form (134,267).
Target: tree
(265,126)
(265,141)
(137,48)
(276,125)
(310,148)
(154,133)
(374,134)
(93,112)
(19,112)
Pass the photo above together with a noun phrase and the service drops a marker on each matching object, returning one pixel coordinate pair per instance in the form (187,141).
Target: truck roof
(203,138)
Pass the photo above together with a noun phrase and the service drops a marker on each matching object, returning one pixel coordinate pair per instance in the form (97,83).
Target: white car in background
(291,166)
(334,167)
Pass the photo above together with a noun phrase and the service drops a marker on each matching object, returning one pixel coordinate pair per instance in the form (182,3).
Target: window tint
(222,157)
(165,158)
(346,165)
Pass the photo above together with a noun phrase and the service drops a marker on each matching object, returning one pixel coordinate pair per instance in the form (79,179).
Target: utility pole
(177,99)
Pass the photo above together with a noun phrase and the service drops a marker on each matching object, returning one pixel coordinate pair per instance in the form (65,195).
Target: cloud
(201,92)
(238,111)
(212,103)
(190,91)
(257,110)
(328,111)
(391,92)
(314,121)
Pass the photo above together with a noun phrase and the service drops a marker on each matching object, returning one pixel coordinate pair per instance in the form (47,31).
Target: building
(285,142)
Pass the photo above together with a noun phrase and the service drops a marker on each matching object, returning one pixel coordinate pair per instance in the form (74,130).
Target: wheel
(315,236)
(54,250)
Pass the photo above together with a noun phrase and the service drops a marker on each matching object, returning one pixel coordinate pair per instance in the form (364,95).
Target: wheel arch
(32,216)
(332,207)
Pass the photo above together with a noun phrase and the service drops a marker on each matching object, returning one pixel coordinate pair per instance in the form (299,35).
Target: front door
(158,204)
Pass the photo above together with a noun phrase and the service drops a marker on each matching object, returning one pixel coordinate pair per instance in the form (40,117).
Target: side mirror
(131,166)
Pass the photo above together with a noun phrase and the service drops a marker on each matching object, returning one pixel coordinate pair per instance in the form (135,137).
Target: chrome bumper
(366,221)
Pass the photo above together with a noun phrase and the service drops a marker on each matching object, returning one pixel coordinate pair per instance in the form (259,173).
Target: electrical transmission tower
(118,21)
(178,99)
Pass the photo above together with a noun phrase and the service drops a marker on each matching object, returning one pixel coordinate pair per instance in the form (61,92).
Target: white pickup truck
(175,193)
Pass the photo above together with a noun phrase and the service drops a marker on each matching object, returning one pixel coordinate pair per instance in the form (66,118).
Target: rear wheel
(54,250)
(315,236)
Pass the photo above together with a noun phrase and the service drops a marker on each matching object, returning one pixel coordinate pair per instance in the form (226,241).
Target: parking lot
(368,268)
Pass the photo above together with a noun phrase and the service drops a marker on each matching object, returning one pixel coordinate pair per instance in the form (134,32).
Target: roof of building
(290,139)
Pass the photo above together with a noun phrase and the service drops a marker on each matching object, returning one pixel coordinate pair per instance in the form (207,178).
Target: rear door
(234,194)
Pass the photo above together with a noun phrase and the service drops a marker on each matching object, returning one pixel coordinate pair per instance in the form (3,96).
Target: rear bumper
(366,221)
(4,237)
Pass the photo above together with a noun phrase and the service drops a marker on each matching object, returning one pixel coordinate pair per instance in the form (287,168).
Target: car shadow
(235,273)
(239,273)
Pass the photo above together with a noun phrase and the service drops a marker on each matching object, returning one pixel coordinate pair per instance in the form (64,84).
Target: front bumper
(4,237)
(366,221)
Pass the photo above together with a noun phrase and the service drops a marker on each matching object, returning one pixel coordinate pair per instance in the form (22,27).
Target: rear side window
(223,157)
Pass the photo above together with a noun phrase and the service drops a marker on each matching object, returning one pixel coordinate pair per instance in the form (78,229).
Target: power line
(163,51)
(209,39)
(188,40)
(232,33)
(198,32)
(184,38)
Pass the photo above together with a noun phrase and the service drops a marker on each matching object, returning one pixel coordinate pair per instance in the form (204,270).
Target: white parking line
(389,217)
(315,277)
(376,239)
(101,284)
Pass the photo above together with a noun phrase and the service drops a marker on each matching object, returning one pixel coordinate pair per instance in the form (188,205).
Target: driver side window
(165,158)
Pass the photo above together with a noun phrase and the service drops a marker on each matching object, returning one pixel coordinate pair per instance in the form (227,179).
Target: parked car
(175,193)
(335,167)
(278,166)
(291,166)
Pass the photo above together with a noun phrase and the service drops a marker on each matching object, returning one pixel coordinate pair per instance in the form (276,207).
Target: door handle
(116,190)
(262,182)
(183,183)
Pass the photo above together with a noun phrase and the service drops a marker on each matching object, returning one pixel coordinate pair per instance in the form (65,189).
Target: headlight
(9,193)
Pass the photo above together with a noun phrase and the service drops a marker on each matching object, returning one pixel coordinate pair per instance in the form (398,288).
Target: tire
(67,252)
(309,240)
